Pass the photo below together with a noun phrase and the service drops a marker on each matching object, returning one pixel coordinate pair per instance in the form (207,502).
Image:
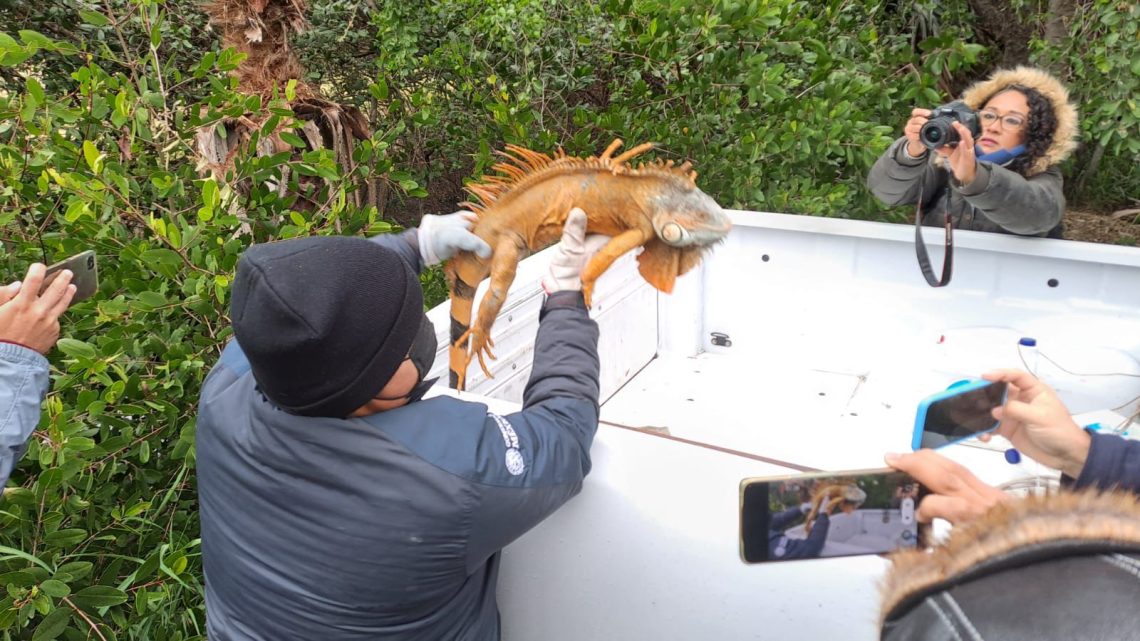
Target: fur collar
(1063,519)
(1065,138)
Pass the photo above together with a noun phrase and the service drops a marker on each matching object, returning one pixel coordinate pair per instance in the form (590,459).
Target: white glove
(574,251)
(440,236)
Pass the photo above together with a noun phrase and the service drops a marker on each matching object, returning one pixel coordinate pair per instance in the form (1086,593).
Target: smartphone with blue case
(961,412)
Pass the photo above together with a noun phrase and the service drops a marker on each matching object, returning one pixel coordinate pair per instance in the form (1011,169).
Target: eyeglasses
(1012,122)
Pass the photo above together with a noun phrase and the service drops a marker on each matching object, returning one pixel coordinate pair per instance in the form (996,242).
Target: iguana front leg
(606,256)
(505,261)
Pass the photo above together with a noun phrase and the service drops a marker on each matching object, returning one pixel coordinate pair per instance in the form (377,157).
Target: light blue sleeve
(24,383)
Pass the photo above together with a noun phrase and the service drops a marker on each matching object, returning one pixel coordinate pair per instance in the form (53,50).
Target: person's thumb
(574,231)
(467,241)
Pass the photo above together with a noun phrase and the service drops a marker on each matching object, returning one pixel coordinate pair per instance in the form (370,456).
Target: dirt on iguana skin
(1096,227)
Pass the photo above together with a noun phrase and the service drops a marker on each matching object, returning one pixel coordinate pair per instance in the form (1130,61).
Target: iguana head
(687,222)
(688,218)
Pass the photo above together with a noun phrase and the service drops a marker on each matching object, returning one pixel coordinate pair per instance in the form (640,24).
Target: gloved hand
(440,236)
(574,251)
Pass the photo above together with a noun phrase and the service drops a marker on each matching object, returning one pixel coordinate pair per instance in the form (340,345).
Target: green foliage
(782,104)
(99,533)
(1101,60)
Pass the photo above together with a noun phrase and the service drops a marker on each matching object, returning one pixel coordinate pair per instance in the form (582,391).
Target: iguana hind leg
(508,251)
(606,256)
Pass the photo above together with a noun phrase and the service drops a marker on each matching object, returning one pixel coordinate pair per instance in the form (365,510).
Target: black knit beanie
(324,321)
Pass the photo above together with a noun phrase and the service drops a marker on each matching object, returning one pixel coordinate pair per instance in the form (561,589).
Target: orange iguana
(655,205)
(845,495)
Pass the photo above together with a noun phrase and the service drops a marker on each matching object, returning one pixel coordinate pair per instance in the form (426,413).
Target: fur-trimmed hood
(1017,532)
(1064,138)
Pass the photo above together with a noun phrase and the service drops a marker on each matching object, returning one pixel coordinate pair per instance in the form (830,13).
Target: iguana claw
(480,344)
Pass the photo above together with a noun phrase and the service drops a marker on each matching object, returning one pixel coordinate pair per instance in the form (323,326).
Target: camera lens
(90,262)
(938,132)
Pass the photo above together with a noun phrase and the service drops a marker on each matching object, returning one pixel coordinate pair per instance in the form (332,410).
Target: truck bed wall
(650,548)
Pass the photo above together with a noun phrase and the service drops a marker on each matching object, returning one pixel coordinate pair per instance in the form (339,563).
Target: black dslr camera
(939,130)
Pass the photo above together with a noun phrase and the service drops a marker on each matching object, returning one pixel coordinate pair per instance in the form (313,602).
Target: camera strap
(924,257)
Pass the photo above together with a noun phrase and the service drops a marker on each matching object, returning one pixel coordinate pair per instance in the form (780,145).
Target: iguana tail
(462,300)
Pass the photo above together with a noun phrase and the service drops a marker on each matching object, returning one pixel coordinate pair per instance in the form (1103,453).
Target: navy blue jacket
(781,547)
(1113,463)
(389,526)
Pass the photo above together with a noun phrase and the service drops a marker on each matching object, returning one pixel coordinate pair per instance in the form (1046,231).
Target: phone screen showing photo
(961,416)
(815,517)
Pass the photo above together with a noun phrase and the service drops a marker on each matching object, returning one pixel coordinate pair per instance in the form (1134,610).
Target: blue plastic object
(956,388)
(1012,456)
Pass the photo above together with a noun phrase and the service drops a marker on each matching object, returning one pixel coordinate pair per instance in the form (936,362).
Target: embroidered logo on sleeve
(515,463)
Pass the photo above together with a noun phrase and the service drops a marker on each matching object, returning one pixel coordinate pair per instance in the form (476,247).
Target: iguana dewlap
(655,205)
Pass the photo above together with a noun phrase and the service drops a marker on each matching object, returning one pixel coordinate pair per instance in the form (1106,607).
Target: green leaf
(53,625)
(55,588)
(19,578)
(76,569)
(76,209)
(36,39)
(80,443)
(92,156)
(98,596)
(76,348)
(210,197)
(35,90)
(291,90)
(162,256)
(205,64)
(379,89)
(94,18)
(151,299)
(65,538)
(293,139)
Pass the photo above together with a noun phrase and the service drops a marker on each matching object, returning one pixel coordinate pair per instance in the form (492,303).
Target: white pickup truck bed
(799,343)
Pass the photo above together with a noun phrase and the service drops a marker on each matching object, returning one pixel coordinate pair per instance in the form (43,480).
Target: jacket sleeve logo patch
(516,465)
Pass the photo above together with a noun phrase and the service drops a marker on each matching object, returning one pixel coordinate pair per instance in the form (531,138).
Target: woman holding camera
(1006,178)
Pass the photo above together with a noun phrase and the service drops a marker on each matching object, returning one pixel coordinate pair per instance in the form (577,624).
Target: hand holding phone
(29,313)
(85,275)
(951,491)
(828,514)
(1039,425)
(961,412)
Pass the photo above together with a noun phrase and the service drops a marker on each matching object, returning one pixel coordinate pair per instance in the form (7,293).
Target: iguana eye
(672,233)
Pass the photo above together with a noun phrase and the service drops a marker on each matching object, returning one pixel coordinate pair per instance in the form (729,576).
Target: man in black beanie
(336,504)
